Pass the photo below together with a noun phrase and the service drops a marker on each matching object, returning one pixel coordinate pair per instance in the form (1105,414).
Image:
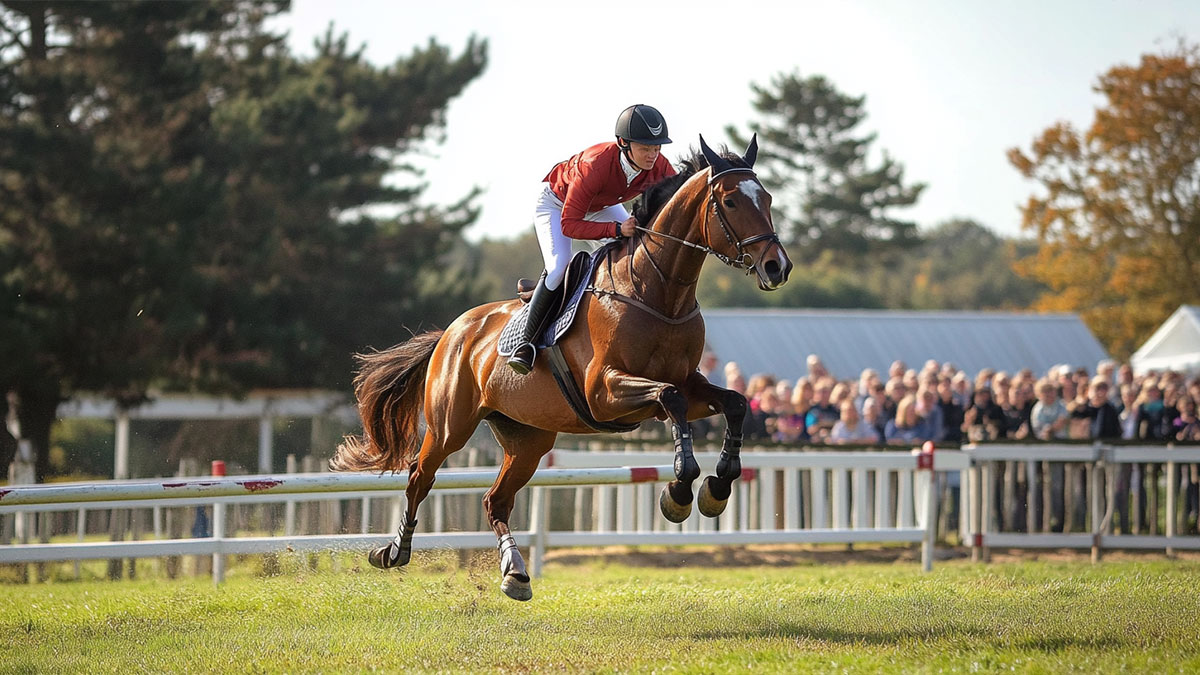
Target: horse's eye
(729,203)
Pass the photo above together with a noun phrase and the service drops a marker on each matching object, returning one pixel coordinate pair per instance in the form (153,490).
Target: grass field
(593,614)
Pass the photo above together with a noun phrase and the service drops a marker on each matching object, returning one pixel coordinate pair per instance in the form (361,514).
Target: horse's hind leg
(433,453)
(523,449)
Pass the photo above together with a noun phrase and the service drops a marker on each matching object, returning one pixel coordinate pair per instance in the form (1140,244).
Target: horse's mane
(656,196)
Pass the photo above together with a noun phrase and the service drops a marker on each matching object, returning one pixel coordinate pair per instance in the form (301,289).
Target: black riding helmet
(642,124)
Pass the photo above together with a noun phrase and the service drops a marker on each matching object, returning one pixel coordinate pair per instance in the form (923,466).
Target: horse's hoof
(382,558)
(672,510)
(517,587)
(708,504)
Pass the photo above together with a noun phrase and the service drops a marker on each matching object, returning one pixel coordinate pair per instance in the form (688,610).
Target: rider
(582,199)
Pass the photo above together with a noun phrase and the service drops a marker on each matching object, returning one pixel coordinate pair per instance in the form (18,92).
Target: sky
(950,86)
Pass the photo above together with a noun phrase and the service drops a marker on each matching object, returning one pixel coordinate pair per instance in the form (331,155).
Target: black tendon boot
(539,305)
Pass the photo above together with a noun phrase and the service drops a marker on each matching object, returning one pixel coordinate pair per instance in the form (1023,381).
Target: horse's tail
(390,388)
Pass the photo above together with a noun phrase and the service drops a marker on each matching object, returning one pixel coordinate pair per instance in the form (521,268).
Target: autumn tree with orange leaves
(1118,215)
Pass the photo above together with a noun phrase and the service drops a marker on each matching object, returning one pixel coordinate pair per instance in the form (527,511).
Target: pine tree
(815,161)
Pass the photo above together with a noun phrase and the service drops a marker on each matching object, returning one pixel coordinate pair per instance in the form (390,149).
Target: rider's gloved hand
(629,227)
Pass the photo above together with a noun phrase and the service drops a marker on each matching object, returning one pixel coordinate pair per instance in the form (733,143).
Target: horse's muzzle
(774,267)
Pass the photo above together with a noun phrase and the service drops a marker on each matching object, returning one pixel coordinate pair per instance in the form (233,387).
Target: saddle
(562,315)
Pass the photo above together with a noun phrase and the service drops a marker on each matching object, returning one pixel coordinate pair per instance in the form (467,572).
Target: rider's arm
(580,195)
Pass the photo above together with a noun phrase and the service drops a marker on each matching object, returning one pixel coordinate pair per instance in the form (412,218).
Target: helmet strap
(627,148)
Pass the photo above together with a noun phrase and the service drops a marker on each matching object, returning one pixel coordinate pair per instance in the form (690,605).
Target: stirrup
(522,358)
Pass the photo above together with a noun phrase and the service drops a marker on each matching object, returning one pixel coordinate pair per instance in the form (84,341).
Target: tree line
(186,204)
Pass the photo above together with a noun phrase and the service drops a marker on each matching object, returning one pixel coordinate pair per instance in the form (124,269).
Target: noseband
(743,260)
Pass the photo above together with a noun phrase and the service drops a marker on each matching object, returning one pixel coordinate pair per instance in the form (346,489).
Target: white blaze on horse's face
(752,189)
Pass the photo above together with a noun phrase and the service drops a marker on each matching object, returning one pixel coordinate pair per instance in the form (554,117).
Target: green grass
(1141,615)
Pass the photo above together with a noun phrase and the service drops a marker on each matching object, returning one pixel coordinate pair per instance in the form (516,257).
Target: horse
(635,357)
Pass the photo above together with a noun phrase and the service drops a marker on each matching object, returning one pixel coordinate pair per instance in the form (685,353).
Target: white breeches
(556,246)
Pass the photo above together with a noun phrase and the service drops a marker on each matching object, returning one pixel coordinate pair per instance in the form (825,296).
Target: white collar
(630,170)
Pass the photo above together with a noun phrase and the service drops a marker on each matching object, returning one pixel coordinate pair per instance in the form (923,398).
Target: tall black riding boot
(539,305)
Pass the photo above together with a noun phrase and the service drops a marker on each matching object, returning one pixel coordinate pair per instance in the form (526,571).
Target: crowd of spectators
(942,403)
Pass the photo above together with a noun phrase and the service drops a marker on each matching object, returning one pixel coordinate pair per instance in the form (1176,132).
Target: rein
(743,261)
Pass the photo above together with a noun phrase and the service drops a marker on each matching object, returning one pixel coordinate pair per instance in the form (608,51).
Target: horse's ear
(717,162)
(751,151)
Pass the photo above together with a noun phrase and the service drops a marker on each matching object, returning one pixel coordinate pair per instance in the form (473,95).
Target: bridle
(743,260)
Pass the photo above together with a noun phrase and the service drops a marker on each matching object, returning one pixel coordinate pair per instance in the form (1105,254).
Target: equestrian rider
(582,199)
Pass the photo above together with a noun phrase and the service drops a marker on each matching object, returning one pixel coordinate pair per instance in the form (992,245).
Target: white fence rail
(783,497)
(855,497)
(1099,461)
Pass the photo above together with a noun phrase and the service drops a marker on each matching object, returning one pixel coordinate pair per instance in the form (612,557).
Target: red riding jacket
(594,180)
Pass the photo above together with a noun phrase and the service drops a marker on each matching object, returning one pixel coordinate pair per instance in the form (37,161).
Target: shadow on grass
(966,636)
(799,631)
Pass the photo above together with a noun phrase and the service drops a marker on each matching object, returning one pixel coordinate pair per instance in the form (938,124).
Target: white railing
(979,529)
(853,497)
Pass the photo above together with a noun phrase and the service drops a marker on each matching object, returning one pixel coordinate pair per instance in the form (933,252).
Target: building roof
(779,341)
(1174,346)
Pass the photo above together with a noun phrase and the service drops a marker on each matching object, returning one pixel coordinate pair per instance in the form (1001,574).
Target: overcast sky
(950,85)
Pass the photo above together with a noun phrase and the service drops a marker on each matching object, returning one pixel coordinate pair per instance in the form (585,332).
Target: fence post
(537,530)
(1094,477)
(1172,486)
(218,529)
(929,502)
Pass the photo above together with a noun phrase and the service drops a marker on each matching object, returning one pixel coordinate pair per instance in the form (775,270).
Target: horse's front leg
(624,394)
(705,399)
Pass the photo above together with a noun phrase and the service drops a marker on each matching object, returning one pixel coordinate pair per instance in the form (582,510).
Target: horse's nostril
(771,267)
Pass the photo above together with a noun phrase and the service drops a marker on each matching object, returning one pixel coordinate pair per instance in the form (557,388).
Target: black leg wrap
(398,551)
(686,468)
(680,492)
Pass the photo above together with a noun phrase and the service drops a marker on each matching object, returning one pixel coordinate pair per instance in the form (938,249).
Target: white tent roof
(1174,346)
(779,341)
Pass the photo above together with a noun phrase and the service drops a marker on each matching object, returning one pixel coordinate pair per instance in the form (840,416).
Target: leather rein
(743,260)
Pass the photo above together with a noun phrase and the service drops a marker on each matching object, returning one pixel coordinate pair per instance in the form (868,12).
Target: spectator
(823,414)
(1049,417)
(894,391)
(984,378)
(1017,413)
(1185,426)
(790,427)
(1129,476)
(734,379)
(866,384)
(1153,422)
(1100,412)
(984,420)
(963,394)
(816,369)
(929,409)
(908,427)
(872,417)
(897,370)
(850,428)
(842,391)
(952,411)
(761,420)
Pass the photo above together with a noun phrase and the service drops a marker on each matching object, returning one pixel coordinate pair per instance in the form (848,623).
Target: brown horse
(635,357)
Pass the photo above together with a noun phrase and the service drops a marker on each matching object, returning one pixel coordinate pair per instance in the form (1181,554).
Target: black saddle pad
(578,278)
